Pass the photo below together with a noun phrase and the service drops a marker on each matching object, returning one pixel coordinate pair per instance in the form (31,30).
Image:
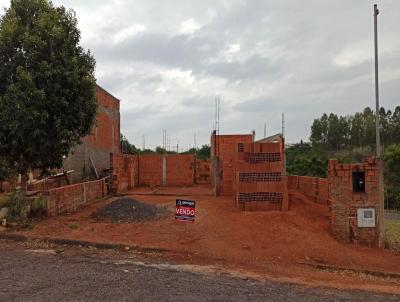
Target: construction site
(250,215)
(86,208)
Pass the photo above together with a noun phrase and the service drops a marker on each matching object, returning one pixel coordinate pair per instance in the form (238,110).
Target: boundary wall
(316,189)
(70,198)
(130,171)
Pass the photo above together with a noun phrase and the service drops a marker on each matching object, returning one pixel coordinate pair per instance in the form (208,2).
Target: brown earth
(271,244)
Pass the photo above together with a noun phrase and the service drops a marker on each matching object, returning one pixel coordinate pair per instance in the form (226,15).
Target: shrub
(13,202)
(39,206)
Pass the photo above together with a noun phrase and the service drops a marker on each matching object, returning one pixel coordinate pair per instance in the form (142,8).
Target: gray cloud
(167,60)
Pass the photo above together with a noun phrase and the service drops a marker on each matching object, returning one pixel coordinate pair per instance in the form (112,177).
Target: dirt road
(48,275)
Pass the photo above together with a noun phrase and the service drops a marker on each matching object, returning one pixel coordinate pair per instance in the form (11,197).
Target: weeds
(14,204)
(73,226)
(392,235)
(39,206)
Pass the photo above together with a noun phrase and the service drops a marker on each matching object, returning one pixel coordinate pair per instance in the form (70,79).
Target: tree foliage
(127,147)
(392,175)
(333,132)
(304,159)
(47,85)
(350,139)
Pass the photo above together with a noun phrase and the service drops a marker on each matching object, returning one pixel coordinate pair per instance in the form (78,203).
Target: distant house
(94,152)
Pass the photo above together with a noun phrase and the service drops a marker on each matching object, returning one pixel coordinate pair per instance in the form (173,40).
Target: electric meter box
(366,218)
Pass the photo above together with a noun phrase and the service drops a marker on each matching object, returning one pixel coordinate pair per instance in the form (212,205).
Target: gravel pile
(128,209)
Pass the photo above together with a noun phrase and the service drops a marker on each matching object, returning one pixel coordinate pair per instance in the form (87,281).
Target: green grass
(392,231)
(73,226)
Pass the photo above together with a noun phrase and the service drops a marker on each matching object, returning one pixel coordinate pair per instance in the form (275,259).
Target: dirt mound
(128,209)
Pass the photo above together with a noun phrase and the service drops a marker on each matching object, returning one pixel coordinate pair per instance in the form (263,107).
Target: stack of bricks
(316,189)
(224,147)
(345,202)
(259,182)
(69,199)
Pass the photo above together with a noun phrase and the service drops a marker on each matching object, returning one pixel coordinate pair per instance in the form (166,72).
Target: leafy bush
(13,202)
(39,206)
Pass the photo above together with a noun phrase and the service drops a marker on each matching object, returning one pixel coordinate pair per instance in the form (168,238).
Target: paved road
(44,276)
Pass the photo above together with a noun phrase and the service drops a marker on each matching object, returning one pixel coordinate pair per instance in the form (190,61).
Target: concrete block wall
(344,202)
(316,189)
(259,181)
(224,147)
(68,199)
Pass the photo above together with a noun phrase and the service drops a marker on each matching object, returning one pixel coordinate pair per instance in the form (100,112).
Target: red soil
(273,244)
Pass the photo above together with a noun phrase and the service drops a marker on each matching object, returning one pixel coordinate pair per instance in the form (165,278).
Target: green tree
(316,137)
(204,152)
(392,175)
(127,147)
(47,86)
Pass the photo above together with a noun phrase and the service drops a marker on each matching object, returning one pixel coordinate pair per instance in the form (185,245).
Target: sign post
(185,210)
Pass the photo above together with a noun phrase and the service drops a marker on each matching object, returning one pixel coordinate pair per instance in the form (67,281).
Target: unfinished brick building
(259,180)
(252,172)
(94,152)
(355,201)
(223,148)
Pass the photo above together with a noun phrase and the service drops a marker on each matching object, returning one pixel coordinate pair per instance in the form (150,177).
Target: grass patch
(392,232)
(73,226)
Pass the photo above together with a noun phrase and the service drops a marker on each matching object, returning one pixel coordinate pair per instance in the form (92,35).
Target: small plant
(39,206)
(13,202)
(73,226)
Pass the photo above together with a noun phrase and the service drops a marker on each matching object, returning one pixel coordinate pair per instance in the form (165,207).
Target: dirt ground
(277,245)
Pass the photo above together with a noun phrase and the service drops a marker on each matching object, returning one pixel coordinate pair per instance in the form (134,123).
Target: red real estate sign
(185,210)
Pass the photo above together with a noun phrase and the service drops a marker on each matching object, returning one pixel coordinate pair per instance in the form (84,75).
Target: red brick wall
(203,171)
(316,189)
(105,135)
(147,170)
(259,181)
(344,202)
(47,184)
(150,170)
(5,186)
(180,170)
(124,171)
(225,147)
(68,199)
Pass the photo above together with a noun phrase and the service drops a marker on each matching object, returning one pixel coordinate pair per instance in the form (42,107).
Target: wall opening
(359,182)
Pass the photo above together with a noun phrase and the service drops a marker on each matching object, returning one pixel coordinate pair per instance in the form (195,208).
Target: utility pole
(265,130)
(381,193)
(377,122)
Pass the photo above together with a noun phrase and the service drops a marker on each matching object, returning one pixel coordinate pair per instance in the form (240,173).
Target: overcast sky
(167,60)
